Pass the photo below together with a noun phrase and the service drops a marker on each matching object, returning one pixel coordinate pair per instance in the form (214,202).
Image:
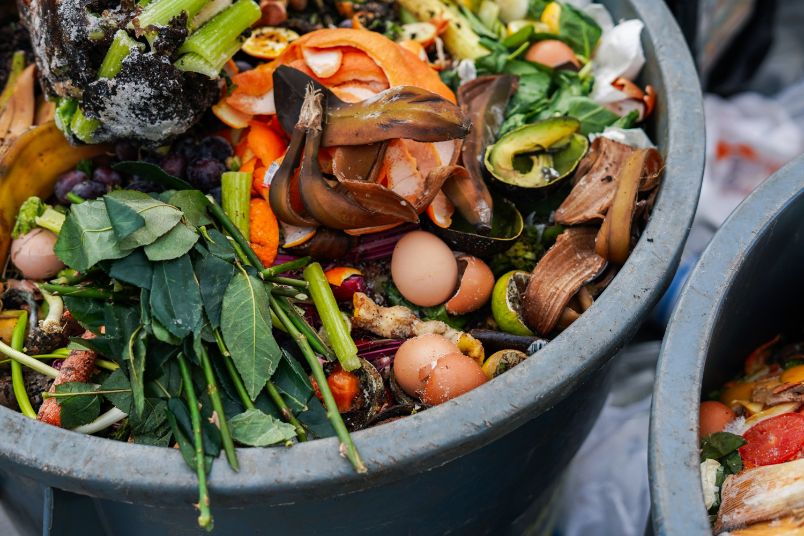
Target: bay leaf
(172,245)
(256,429)
(176,297)
(87,237)
(125,220)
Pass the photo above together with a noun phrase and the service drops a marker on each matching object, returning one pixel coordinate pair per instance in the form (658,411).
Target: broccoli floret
(32,208)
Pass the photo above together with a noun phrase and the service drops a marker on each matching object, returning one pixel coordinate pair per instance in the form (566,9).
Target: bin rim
(155,475)
(674,465)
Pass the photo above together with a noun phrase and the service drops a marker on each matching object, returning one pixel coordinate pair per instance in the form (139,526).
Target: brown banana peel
(31,167)
(471,197)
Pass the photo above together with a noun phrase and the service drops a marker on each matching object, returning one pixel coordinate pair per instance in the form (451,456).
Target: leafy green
(172,245)
(80,409)
(219,245)
(291,380)
(176,296)
(532,92)
(31,208)
(159,217)
(125,220)
(246,327)
(723,447)
(256,429)
(135,358)
(118,380)
(593,117)
(87,237)
(193,204)
(214,277)
(134,269)
(88,312)
(579,29)
(121,322)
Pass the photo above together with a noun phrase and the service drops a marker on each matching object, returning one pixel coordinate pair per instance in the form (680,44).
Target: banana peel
(30,167)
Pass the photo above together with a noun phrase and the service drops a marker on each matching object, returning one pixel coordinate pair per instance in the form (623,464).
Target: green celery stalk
(197,64)
(17,380)
(337,331)
(214,38)
(118,51)
(84,127)
(208,12)
(161,12)
(236,199)
(51,219)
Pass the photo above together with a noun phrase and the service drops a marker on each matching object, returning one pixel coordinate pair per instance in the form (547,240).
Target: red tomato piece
(775,440)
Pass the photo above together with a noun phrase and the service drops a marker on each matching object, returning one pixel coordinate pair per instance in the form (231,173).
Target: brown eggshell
(552,53)
(474,289)
(714,417)
(424,269)
(450,376)
(33,255)
(416,353)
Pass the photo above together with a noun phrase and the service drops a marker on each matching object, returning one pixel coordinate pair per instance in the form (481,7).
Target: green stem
(296,264)
(17,380)
(106,365)
(233,374)
(76,199)
(337,330)
(17,66)
(236,199)
(118,51)
(289,293)
(246,253)
(204,517)
(28,361)
(79,292)
(85,393)
(301,324)
(68,276)
(329,401)
(287,413)
(289,281)
(217,405)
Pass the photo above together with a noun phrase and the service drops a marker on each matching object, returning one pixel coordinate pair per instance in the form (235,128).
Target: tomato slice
(775,440)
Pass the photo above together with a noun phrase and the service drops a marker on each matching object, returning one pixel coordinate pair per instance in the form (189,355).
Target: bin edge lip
(673,440)
(135,472)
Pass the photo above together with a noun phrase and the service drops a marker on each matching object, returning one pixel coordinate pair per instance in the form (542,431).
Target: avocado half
(539,154)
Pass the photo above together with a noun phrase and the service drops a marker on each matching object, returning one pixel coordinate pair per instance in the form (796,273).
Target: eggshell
(450,376)
(424,269)
(714,417)
(33,255)
(474,289)
(552,53)
(416,353)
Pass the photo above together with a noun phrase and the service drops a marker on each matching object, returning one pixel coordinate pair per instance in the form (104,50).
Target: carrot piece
(265,143)
(258,188)
(264,231)
(241,147)
(78,367)
(249,165)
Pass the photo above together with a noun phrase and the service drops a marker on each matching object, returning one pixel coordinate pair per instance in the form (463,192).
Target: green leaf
(118,380)
(177,242)
(159,217)
(153,173)
(182,440)
(210,435)
(719,444)
(80,409)
(157,438)
(134,270)
(120,322)
(153,417)
(176,297)
(135,357)
(220,245)
(579,29)
(87,237)
(88,313)
(125,220)
(315,419)
(291,380)
(256,429)
(246,327)
(194,205)
(214,277)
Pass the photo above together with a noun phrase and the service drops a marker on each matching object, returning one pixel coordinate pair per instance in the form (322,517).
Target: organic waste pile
(306,220)
(752,437)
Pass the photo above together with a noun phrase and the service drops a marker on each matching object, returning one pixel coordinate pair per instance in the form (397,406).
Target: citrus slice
(506,302)
(269,42)
(296,236)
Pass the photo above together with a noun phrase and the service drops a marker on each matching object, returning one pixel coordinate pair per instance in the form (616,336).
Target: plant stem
(301,324)
(289,293)
(17,380)
(287,413)
(85,393)
(217,405)
(78,292)
(289,281)
(75,199)
(337,330)
(103,422)
(230,367)
(106,365)
(28,361)
(333,415)
(289,266)
(236,199)
(204,517)
(247,254)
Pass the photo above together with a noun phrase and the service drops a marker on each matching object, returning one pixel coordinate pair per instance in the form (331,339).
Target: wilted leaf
(87,237)
(256,429)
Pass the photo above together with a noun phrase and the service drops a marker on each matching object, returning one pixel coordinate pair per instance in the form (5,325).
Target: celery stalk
(195,63)
(51,219)
(84,127)
(208,12)
(236,199)
(214,39)
(118,51)
(161,12)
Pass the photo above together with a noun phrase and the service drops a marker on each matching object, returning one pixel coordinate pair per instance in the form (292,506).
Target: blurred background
(750,58)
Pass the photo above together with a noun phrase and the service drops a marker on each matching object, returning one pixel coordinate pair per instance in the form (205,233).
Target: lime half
(506,302)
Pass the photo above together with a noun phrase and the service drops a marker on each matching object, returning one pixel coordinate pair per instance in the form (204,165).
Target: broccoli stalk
(35,213)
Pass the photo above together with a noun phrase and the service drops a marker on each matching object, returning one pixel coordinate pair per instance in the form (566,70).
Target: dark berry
(126,150)
(243,66)
(103,160)
(215,147)
(174,164)
(89,189)
(205,174)
(187,147)
(107,176)
(66,183)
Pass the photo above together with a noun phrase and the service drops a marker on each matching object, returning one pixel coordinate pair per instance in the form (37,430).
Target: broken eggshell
(476,282)
(33,255)
(450,376)
(415,353)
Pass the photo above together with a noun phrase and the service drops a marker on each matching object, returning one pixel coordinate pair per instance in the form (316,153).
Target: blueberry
(174,164)
(186,147)
(215,147)
(89,189)
(66,183)
(107,176)
(205,174)
(126,150)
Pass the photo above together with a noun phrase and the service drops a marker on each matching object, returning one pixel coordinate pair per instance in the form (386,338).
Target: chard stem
(289,266)
(17,380)
(333,414)
(204,517)
(287,413)
(28,361)
(217,405)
